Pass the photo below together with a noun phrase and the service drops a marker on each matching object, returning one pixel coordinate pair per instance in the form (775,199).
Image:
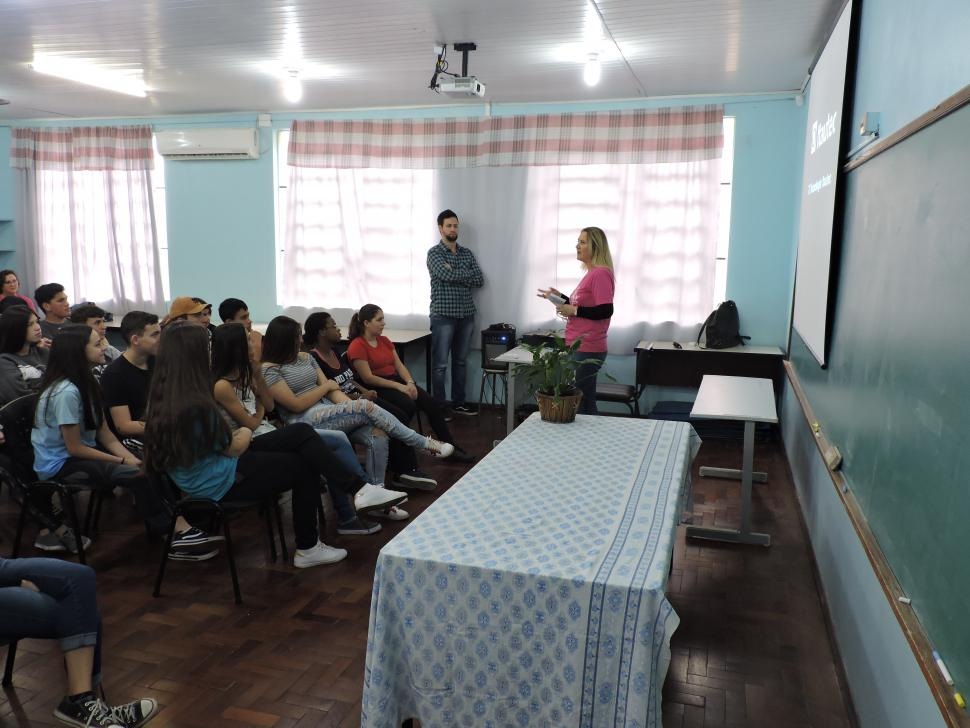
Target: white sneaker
(376,497)
(391,514)
(440,449)
(319,554)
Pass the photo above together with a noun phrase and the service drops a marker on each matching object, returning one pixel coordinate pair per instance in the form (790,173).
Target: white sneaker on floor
(376,497)
(440,449)
(391,514)
(319,554)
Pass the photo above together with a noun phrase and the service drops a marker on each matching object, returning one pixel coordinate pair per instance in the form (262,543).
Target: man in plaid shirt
(454,273)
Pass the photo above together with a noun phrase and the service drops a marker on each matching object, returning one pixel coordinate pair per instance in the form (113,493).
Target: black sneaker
(447,413)
(460,456)
(87,711)
(185,555)
(416,479)
(192,538)
(358,527)
(136,713)
(465,409)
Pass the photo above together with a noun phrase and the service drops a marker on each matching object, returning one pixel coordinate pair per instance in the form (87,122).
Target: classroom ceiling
(228,55)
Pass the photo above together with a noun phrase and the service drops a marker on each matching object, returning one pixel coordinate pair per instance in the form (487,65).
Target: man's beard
(452,237)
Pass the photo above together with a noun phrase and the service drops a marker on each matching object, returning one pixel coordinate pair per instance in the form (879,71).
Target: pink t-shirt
(595,289)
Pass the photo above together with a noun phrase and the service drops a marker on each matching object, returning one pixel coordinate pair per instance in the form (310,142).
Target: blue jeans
(344,452)
(65,609)
(586,379)
(450,336)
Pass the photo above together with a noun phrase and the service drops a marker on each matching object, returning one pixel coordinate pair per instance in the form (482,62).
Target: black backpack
(723,328)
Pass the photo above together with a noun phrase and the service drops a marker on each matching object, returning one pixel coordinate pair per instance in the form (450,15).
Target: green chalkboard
(895,397)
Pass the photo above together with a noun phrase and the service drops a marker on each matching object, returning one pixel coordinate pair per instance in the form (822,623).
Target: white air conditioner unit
(192,144)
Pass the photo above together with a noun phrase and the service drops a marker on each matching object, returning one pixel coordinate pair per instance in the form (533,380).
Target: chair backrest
(17,418)
(495,342)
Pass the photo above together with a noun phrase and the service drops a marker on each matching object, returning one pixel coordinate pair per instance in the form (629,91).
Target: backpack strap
(704,326)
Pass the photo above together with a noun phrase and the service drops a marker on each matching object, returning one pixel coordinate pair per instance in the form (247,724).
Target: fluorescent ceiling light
(292,87)
(591,71)
(90,74)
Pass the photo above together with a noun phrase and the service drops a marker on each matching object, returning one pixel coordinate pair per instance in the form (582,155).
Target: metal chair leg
(165,548)
(8,669)
(230,554)
(267,513)
(67,496)
(279,525)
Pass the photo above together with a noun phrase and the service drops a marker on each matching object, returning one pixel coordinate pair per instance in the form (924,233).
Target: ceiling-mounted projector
(461,86)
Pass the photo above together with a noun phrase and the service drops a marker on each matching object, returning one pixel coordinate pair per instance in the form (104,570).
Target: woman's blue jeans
(65,609)
(586,379)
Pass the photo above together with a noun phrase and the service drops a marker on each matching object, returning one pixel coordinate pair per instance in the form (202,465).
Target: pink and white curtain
(643,136)
(85,199)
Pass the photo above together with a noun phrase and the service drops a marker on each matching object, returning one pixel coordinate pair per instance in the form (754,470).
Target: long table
(532,592)
(660,363)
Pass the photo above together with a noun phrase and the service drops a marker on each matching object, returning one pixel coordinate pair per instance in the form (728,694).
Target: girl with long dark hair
(23,353)
(188,439)
(244,400)
(70,434)
(305,394)
(377,364)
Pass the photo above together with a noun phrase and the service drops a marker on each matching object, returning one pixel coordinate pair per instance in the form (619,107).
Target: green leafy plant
(552,370)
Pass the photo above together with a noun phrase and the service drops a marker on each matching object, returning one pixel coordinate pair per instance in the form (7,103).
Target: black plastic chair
(222,512)
(17,418)
(627,394)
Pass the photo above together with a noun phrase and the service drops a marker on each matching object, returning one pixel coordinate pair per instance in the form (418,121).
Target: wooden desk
(401,338)
(659,363)
(736,398)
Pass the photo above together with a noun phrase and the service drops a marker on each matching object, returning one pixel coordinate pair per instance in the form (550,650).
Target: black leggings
(260,475)
(301,439)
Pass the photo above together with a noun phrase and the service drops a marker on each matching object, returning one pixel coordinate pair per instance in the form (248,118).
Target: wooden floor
(752,648)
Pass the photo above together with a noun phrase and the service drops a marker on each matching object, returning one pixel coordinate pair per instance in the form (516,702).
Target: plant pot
(562,411)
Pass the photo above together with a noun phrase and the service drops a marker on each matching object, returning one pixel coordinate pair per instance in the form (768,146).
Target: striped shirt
(300,376)
(453,276)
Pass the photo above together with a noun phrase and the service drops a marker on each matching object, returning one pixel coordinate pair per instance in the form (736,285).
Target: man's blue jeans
(450,336)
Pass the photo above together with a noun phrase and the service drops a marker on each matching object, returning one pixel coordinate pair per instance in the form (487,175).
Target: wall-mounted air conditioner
(192,144)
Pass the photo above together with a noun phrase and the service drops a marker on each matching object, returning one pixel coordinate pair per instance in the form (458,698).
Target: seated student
(244,399)
(234,310)
(23,353)
(320,334)
(93,316)
(185,308)
(53,302)
(188,439)
(206,318)
(124,385)
(304,394)
(377,364)
(53,599)
(69,425)
(11,289)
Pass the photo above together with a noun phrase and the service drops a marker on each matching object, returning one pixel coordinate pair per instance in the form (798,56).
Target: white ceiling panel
(227,55)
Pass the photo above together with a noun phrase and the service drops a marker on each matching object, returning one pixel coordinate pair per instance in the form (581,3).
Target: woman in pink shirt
(588,311)
(11,287)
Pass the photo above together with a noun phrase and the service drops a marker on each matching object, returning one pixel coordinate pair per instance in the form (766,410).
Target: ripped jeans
(358,419)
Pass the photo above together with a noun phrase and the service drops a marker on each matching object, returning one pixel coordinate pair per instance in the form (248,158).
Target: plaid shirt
(453,276)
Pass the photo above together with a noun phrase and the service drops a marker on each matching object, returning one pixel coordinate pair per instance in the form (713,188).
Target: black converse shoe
(136,713)
(87,711)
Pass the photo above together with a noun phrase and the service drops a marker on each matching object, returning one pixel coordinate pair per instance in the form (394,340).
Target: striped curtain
(91,148)
(643,136)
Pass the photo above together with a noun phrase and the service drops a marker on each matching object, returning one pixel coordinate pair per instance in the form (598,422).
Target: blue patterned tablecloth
(532,592)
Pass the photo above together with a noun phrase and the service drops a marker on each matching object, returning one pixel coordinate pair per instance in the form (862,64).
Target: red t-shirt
(380,357)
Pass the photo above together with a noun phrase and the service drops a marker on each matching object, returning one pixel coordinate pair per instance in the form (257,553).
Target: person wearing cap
(206,315)
(186,308)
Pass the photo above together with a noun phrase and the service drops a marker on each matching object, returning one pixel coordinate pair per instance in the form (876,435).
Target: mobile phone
(558,300)
(677,345)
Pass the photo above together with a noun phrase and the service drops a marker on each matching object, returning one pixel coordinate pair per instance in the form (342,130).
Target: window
(161,219)
(724,221)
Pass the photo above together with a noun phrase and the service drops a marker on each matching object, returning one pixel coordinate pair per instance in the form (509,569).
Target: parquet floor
(752,648)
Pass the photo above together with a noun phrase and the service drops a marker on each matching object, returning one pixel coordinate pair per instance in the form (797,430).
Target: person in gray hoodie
(23,353)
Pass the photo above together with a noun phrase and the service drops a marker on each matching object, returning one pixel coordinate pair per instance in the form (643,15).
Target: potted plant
(552,376)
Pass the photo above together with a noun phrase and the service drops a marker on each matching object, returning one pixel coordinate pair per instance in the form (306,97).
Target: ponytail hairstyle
(230,356)
(601,248)
(281,342)
(68,361)
(367,313)
(184,423)
(314,324)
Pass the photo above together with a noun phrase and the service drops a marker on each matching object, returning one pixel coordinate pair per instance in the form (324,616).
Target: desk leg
(731,474)
(745,534)
(427,363)
(510,401)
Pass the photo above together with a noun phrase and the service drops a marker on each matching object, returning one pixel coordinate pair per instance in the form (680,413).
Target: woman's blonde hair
(601,248)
